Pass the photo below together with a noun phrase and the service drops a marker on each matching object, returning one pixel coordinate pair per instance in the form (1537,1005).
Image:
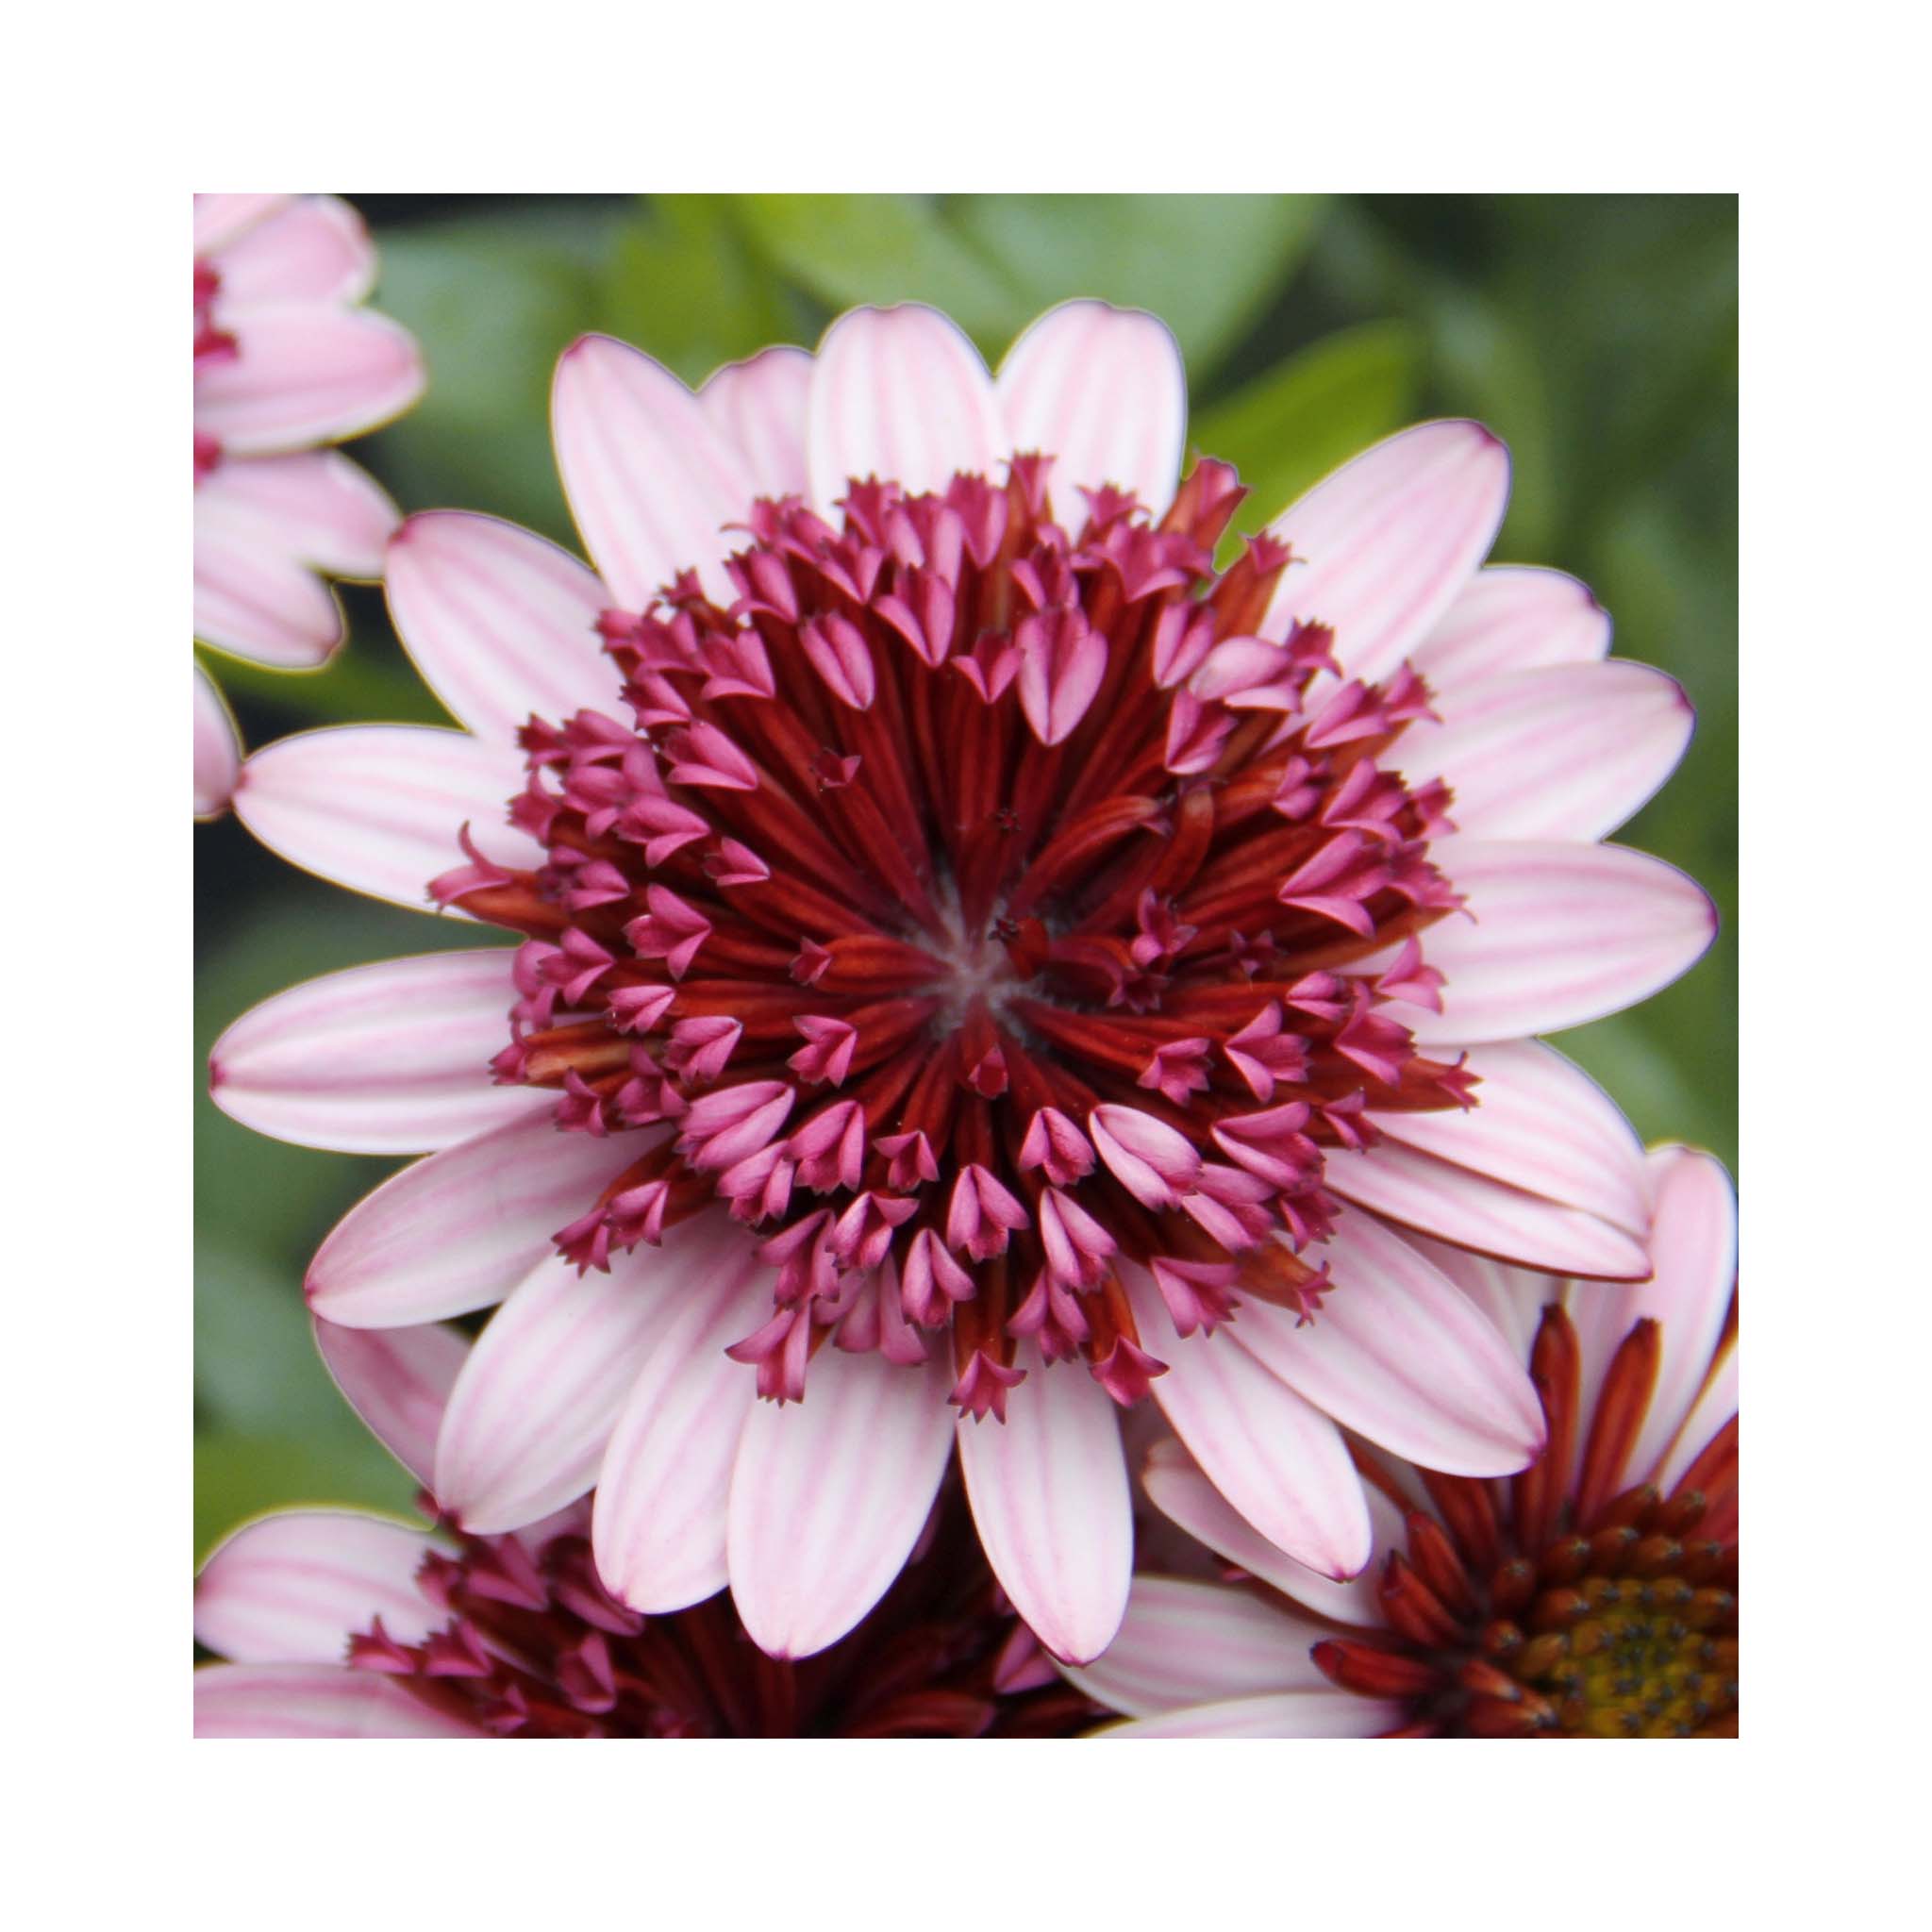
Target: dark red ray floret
(972,906)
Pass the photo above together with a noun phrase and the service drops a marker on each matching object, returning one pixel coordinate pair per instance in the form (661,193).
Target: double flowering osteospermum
(1594,1594)
(284,363)
(338,1624)
(981,963)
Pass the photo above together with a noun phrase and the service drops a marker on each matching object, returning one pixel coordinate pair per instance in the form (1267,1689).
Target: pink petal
(1712,1410)
(534,1406)
(312,1701)
(759,407)
(258,599)
(1434,1197)
(664,1488)
(380,807)
(1513,617)
(1560,934)
(1540,1124)
(1567,752)
(901,395)
(458,1230)
(398,1381)
(315,505)
(314,250)
(1400,1357)
(1288,1714)
(303,376)
(1181,1491)
(651,482)
(828,1495)
(1279,1461)
(1511,1299)
(1391,540)
(294,1587)
(217,750)
(1049,1492)
(1104,393)
(389,1058)
(220,218)
(500,621)
(1182,1644)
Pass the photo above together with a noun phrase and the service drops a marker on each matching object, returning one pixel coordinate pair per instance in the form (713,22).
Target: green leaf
(1290,427)
(238,1476)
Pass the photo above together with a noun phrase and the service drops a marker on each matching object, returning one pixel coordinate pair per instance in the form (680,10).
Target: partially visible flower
(338,1624)
(284,363)
(1594,1594)
(983,963)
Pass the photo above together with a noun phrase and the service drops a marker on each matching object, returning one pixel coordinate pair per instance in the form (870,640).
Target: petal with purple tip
(759,407)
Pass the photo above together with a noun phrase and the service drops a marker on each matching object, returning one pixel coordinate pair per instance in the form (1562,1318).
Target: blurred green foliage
(1597,335)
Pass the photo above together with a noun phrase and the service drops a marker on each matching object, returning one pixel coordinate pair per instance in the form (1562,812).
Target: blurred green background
(1596,334)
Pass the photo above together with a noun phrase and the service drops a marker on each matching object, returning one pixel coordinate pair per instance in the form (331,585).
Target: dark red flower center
(969,906)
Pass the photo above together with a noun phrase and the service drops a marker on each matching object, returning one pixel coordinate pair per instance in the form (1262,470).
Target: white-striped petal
(255,598)
(388,1058)
(533,1409)
(900,394)
(398,1381)
(1186,1642)
(1288,1714)
(1708,1414)
(1397,1355)
(658,1526)
(460,1229)
(293,1588)
(1102,390)
(1513,617)
(1050,1498)
(760,407)
(1387,542)
(316,504)
(312,1701)
(1567,751)
(651,483)
(500,621)
(1512,1299)
(380,807)
(314,250)
(1279,1461)
(828,1495)
(304,375)
(217,749)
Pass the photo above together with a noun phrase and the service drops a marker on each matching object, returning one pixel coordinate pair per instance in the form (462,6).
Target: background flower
(1474,291)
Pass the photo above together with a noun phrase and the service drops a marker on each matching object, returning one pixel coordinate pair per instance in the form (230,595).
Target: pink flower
(1592,1594)
(338,1624)
(1166,1010)
(284,363)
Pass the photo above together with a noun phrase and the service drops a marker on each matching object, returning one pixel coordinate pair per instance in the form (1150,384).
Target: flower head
(343,1624)
(1595,1593)
(979,959)
(285,361)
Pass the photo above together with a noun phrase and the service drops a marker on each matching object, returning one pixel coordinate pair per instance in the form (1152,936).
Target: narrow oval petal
(312,1701)
(1180,1489)
(293,1588)
(651,483)
(1389,539)
(1288,1714)
(458,1230)
(901,395)
(1279,1461)
(315,505)
(1184,1643)
(255,598)
(1559,934)
(304,375)
(1567,752)
(217,749)
(1540,1124)
(1103,391)
(380,807)
(500,621)
(760,407)
(1434,1197)
(664,1488)
(1513,617)
(1050,1498)
(1511,1299)
(528,1418)
(314,250)
(828,1495)
(398,1381)
(1399,1355)
(1712,1410)
(389,1058)
(219,218)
